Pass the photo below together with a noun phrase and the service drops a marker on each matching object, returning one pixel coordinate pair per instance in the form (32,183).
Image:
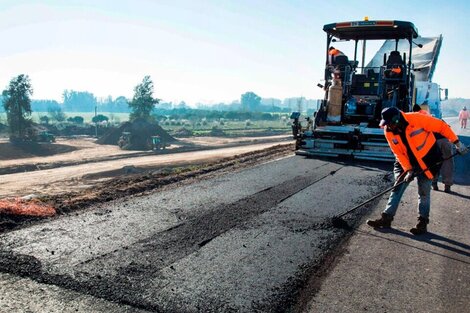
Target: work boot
(447,188)
(421,227)
(434,186)
(385,221)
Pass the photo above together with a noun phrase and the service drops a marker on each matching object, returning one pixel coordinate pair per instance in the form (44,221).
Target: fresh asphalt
(247,241)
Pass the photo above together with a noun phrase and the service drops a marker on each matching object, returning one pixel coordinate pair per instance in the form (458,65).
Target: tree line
(16,99)
(17,103)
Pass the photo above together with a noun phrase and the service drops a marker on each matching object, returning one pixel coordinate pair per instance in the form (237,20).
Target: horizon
(205,52)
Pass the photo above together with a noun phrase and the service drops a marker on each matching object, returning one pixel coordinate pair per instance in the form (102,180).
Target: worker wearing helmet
(463,117)
(411,139)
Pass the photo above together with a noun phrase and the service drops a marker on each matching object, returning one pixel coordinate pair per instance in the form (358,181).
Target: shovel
(339,222)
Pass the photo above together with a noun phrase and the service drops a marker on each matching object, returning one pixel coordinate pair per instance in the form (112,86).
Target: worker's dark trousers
(424,194)
(447,168)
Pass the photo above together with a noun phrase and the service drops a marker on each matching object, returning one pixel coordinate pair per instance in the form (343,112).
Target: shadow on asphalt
(369,165)
(456,194)
(429,238)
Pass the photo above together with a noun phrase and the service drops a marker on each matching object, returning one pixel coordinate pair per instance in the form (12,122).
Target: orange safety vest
(419,134)
(332,54)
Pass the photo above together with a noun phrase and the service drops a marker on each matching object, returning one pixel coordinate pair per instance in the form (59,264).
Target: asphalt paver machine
(347,120)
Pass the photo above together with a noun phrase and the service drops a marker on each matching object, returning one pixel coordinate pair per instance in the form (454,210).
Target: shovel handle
(398,183)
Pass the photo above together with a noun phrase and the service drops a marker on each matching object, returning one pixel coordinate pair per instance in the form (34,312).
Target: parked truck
(399,75)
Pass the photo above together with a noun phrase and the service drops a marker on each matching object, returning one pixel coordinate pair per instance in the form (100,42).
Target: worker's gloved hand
(409,176)
(461,148)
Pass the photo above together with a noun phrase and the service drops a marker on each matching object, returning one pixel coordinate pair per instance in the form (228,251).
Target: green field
(200,127)
(114,117)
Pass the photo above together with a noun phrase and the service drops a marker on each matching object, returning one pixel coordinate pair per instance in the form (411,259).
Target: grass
(230,128)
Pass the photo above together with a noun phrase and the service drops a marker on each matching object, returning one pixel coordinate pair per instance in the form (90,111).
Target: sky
(203,51)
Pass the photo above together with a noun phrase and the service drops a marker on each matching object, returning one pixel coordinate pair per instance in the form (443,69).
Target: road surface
(240,242)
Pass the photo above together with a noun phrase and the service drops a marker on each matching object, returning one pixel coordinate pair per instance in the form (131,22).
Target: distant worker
(410,137)
(445,146)
(463,117)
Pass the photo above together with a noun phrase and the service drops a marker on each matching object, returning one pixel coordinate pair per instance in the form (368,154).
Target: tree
(56,113)
(79,101)
(76,120)
(42,105)
(182,105)
(121,104)
(250,101)
(99,118)
(143,102)
(17,104)
(44,119)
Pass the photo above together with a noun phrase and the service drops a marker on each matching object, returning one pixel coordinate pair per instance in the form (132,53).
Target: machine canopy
(371,30)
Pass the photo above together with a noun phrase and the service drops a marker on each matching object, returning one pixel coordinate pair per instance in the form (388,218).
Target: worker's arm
(446,131)
(435,125)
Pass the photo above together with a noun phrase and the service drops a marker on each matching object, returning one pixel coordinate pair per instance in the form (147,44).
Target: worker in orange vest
(411,139)
(332,54)
(463,117)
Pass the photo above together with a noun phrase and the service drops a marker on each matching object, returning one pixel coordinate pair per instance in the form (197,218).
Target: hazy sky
(203,51)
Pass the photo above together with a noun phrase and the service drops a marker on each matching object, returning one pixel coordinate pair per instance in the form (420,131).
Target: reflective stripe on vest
(416,132)
(421,146)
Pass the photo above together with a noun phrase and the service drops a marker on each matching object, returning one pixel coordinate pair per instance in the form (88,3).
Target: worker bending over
(411,139)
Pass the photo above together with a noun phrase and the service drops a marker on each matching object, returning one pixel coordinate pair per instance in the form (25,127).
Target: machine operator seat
(395,66)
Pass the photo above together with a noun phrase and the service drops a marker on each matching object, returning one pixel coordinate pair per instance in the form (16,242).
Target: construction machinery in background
(127,141)
(39,135)
(399,75)
(158,144)
(44,136)
(124,140)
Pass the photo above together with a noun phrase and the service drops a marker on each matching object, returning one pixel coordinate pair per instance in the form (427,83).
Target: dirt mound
(22,150)
(140,131)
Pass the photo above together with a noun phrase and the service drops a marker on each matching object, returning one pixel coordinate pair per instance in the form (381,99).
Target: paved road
(242,242)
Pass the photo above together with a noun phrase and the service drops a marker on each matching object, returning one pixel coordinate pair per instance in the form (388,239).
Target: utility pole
(96,122)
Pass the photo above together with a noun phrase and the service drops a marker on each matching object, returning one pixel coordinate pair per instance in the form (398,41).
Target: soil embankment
(24,150)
